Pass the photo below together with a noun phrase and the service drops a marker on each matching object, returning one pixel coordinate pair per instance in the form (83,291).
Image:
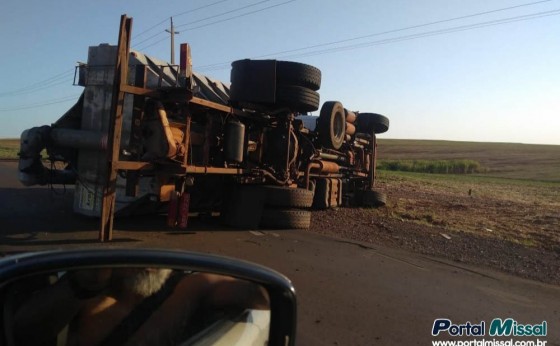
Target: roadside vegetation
(501,160)
(432,166)
(512,191)
(9,148)
(520,211)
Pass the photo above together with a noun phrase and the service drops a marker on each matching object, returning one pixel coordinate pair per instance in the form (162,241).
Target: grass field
(515,195)
(520,211)
(505,160)
(9,148)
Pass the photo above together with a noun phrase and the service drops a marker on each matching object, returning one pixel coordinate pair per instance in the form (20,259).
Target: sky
(477,70)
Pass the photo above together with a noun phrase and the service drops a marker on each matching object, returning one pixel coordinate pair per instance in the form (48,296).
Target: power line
(219,66)
(179,14)
(430,33)
(411,37)
(223,13)
(414,27)
(185,12)
(241,15)
(149,38)
(219,21)
(42,103)
(37,85)
(39,88)
(199,8)
(152,44)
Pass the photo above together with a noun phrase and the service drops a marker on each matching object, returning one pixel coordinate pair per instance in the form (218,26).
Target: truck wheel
(252,81)
(372,198)
(298,74)
(298,99)
(286,218)
(371,122)
(280,196)
(332,125)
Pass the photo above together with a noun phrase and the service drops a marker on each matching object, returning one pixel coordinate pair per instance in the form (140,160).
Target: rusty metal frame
(115,127)
(114,165)
(120,89)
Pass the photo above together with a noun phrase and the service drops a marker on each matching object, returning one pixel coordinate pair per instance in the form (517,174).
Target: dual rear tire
(271,84)
(286,208)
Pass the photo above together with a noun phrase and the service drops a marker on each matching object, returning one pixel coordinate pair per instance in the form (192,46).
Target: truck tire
(372,198)
(297,98)
(298,74)
(371,122)
(281,196)
(253,82)
(332,125)
(286,218)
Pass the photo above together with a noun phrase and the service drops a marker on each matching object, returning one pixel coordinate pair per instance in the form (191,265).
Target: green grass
(504,160)
(9,148)
(516,190)
(432,166)
(517,210)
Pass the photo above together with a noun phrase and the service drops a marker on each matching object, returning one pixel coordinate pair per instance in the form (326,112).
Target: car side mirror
(142,297)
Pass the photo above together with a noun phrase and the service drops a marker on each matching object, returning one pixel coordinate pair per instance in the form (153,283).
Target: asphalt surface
(349,293)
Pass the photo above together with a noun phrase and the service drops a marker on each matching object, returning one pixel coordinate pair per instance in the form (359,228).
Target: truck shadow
(41,218)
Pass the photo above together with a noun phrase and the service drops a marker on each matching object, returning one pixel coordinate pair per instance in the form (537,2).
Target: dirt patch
(500,231)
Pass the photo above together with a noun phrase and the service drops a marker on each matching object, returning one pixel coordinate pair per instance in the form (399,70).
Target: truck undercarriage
(148,136)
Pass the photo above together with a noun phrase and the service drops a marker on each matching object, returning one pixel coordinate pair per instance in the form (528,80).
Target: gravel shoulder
(470,221)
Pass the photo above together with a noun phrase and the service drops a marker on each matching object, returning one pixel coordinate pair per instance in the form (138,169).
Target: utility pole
(173,33)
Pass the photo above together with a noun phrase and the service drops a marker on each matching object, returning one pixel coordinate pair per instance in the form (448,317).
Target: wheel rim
(338,126)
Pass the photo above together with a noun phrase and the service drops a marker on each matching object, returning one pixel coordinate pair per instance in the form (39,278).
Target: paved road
(349,293)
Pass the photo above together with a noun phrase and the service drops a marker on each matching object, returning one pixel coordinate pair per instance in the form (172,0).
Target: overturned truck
(147,136)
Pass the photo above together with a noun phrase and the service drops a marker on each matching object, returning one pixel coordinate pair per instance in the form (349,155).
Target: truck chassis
(166,137)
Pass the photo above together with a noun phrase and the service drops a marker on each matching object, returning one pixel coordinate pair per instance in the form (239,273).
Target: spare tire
(298,74)
(332,125)
(297,99)
(253,81)
(371,122)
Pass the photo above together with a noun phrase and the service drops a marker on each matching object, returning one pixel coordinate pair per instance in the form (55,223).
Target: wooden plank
(132,165)
(115,128)
(129,89)
(214,105)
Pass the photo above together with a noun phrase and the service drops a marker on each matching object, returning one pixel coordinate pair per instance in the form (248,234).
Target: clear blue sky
(498,83)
